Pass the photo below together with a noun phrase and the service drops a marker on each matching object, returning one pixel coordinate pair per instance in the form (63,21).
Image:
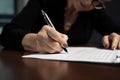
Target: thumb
(55,35)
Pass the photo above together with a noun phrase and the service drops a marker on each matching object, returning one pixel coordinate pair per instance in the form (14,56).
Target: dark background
(113,10)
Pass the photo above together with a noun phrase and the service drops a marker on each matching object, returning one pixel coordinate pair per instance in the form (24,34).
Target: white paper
(82,54)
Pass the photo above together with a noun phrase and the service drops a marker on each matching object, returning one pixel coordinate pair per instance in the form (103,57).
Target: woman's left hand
(111,41)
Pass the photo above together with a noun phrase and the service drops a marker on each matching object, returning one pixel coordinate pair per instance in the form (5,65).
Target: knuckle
(40,35)
(45,27)
(66,37)
(57,47)
(113,33)
(48,29)
(105,37)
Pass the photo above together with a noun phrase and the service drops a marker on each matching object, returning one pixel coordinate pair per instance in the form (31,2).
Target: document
(82,54)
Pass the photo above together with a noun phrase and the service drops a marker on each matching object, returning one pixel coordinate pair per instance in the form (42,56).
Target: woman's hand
(112,41)
(47,40)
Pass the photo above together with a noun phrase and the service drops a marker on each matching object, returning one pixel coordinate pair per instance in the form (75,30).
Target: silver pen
(48,21)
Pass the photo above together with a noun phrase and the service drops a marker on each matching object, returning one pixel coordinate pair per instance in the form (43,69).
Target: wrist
(29,42)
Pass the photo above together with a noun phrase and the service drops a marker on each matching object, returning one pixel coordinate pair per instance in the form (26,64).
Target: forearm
(11,39)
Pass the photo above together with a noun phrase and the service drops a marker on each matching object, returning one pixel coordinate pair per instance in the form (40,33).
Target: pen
(48,21)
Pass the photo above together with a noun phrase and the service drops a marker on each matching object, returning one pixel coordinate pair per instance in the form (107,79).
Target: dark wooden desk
(14,67)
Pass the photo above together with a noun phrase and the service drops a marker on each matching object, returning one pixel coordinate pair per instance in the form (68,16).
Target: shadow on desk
(14,67)
(12,63)
(30,69)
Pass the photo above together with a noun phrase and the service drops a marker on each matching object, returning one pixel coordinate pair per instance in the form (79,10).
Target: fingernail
(113,47)
(65,45)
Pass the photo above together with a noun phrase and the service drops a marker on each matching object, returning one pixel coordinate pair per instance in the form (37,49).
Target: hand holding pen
(48,21)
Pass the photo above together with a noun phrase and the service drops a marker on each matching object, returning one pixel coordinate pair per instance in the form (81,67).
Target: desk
(14,67)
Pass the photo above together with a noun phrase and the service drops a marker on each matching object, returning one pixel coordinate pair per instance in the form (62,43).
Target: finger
(48,45)
(119,44)
(114,40)
(55,46)
(56,36)
(106,43)
(114,43)
(52,33)
(65,37)
(52,45)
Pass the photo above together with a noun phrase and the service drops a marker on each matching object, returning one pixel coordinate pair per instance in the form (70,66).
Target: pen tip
(65,50)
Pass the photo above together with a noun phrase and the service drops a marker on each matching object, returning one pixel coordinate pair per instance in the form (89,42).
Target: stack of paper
(82,54)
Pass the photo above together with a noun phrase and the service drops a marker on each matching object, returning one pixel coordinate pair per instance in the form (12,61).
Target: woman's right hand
(47,40)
